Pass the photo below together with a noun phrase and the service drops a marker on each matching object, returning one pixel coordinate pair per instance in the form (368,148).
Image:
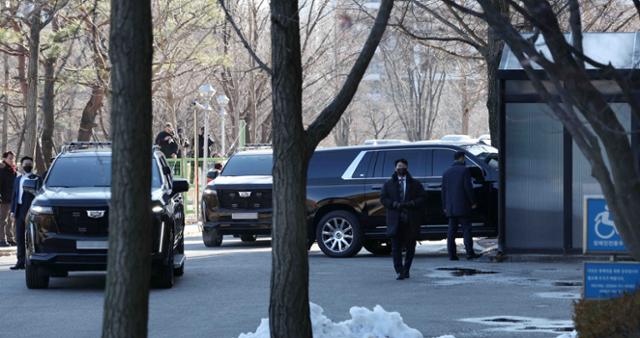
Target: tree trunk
(289,302)
(5,110)
(495,44)
(89,113)
(48,108)
(129,264)
(32,81)
(465,121)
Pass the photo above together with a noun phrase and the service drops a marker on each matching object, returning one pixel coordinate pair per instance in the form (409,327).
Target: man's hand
(474,206)
(445,211)
(396,205)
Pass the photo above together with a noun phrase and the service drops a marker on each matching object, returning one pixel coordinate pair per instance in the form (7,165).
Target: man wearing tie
(21,203)
(402,197)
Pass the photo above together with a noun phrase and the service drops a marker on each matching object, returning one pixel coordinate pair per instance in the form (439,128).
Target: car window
(330,164)
(365,168)
(87,171)
(415,157)
(442,160)
(248,165)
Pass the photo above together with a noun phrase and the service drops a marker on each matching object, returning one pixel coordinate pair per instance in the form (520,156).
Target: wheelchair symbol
(605,227)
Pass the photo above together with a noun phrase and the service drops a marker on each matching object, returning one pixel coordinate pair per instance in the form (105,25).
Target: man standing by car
(458,203)
(402,197)
(7,177)
(20,204)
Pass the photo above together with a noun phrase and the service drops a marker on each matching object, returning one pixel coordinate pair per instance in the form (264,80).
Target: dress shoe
(407,275)
(400,276)
(17,267)
(473,256)
(454,258)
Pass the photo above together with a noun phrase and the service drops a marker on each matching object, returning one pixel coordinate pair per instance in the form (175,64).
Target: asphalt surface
(225,292)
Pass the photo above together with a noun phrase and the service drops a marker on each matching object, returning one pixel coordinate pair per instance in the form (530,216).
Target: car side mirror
(477,173)
(180,185)
(31,185)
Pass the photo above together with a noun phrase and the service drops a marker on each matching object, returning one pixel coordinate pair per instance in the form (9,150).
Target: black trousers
(466,232)
(404,239)
(21,214)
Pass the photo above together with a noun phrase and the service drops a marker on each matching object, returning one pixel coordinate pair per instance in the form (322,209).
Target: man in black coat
(403,197)
(7,178)
(167,142)
(20,205)
(458,203)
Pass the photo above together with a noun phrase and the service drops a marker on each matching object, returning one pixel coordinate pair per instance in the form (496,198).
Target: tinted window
(330,164)
(442,160)
(247,165)
(87,171)
(415,157)
(365,169)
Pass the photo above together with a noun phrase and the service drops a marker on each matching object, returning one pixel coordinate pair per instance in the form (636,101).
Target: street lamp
(223,100)
(206,92)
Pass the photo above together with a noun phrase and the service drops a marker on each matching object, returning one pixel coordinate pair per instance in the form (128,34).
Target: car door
(382,170)
(172,200)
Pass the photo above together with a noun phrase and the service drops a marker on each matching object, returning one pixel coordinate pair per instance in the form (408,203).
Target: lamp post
(206,92)
(223,100)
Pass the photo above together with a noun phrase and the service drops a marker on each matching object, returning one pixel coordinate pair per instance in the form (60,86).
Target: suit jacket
(414,195)
(27,198)
(457,191)
(7,178)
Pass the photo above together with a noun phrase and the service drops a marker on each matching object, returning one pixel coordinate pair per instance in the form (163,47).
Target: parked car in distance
(343,194)
(68,223)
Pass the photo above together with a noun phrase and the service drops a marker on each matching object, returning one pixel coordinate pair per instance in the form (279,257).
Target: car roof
(363,147)
(91,152)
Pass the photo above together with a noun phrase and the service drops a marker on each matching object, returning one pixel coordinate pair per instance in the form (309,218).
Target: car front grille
(76,220)
(245,199)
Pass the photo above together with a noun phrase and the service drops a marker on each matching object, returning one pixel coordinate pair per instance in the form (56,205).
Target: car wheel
(37,277)
(248,238)
(338,234)
(211,238)
(378,247)
(164,274)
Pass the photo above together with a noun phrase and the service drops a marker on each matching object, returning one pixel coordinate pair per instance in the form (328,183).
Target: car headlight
(40,210)
(156,209)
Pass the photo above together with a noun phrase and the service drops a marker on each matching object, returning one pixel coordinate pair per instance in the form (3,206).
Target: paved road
(225,292)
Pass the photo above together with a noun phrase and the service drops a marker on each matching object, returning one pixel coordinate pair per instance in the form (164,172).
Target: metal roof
(622,50)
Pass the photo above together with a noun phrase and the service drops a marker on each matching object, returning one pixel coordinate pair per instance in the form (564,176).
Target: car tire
(211,238)
(164,275)
(248,238)
(180,250)
(339,235)
(36,277)
(378,247)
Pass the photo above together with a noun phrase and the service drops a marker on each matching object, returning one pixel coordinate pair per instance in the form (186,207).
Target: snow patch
(364,323)
(573,334)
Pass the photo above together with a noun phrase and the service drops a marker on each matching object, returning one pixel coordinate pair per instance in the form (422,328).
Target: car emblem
(245,194)
(95,213)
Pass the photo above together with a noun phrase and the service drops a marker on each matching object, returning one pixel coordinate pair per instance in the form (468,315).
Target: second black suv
(343,194)
(68,223)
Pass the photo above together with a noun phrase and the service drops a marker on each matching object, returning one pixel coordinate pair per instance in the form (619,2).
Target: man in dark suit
(458,203)
(403,197)
(20,205)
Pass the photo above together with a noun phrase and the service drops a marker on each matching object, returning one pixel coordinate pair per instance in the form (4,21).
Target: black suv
(343,194)
(68,223)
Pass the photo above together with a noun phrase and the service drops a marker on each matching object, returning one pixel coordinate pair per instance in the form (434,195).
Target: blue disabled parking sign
(600,232)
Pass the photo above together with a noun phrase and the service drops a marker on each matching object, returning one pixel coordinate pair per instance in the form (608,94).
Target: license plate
(244,215)
(92,245)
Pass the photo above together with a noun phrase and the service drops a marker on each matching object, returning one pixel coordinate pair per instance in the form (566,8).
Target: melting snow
(518,324)
(364,323)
